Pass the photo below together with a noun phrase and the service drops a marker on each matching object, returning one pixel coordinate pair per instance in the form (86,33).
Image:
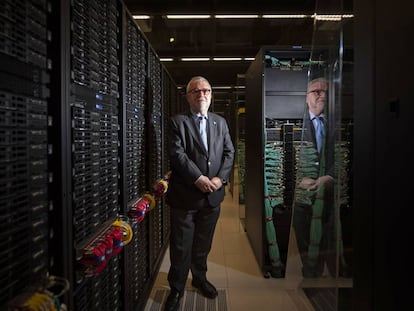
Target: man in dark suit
(313,217)
(196,189)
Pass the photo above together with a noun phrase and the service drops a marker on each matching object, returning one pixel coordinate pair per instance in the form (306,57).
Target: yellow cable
(40,302)
(127,232)
(165,184)
(151,199)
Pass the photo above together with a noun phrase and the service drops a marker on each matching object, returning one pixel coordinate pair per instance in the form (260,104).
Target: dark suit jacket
(310,135)
(189,159)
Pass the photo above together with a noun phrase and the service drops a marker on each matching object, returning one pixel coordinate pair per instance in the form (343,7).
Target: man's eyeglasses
(198,91)
(318,92)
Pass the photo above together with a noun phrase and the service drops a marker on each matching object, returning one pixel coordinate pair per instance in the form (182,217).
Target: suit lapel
(212,131)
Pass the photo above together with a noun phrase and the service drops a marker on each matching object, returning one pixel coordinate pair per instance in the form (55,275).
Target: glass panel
(322,204)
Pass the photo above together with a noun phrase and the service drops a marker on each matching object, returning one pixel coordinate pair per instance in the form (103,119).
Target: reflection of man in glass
(313,218)
(316,129)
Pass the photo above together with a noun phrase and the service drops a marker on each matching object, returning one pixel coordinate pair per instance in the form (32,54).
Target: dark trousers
(192,232)
(328,247)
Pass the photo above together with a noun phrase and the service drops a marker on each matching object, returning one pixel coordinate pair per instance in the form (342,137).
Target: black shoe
(173,301)
(206,288)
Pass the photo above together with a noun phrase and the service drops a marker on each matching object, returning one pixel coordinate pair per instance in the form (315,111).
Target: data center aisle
(233,269)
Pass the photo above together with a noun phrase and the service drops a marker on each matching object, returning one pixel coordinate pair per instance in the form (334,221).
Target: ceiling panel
(220,37)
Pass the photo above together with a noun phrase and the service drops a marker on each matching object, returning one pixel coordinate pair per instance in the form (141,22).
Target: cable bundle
(307,160)
(342,160)
(274,172)
(108,243)
(138,210)
(273,197)
(147,202)
(45,298)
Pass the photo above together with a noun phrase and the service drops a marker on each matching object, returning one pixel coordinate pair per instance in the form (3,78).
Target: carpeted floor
(191,300)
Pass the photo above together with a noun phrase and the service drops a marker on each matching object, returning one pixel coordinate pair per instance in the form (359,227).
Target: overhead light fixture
(237,16)
(141,16)
(236,88)
(331,17)
(181,16)
(226,58)
(221,87)
(233,58)
(285,16)
(204,59)
(241,16)
(195,59)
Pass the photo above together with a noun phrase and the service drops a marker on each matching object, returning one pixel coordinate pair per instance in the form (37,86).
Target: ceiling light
(284,16)
(230,16)
(195,59)
(203,59)
(237,16)
(222,87)
(200,16)
(141,16)
(331,17)
(226,58)
(169,59)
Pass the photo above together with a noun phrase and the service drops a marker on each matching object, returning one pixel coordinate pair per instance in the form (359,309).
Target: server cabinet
(24,150)
(275,104)
(134,170)
(275,97)
(83,104)
(94,138)
(241,151)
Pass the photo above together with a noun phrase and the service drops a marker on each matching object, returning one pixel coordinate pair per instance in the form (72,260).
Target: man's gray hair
(193,79)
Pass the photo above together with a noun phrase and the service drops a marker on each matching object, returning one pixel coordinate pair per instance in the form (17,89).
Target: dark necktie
(319,129)
(203,130)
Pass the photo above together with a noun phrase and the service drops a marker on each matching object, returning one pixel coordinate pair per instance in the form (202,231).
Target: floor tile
(233,268)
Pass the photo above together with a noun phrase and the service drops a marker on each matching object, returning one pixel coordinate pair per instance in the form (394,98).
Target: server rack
(24,149)
(241,150)
(275,97)
(83,103)
(275,104)
(135,57)
(94,104)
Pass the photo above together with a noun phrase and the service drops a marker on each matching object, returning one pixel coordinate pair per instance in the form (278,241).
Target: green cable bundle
(306,166)
(273,197)
(273,247)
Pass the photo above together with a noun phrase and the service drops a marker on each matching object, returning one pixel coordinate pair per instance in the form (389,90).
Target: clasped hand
(312,184)
(207,185)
